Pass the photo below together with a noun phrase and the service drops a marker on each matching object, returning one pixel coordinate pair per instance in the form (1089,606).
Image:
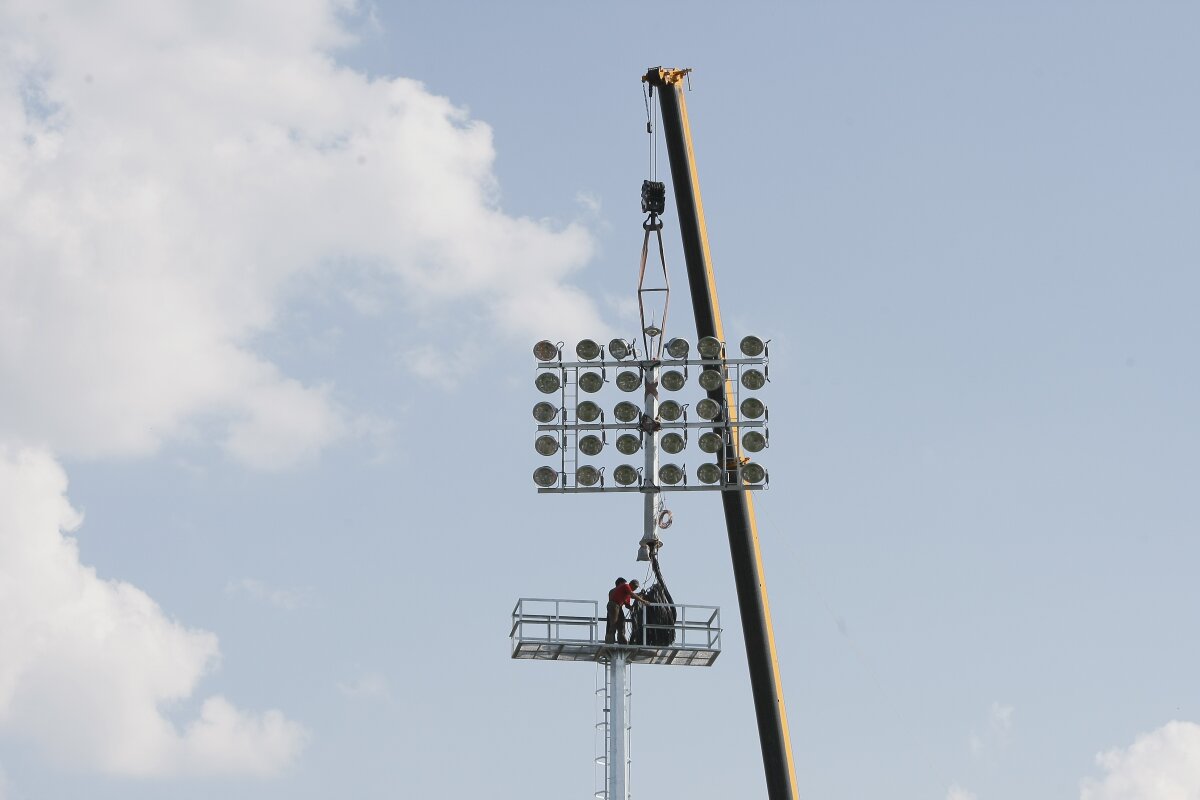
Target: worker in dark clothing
(620,597)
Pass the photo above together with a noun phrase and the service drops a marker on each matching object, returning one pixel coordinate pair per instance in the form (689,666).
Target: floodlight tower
(572,430)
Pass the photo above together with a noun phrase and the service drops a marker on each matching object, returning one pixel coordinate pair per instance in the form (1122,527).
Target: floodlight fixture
(670,410)
(708,473)
(709,347)
(672,380)
(545,350)
(678,348)
(544,412)
(587,350)
(711,442)
(753,473)
(753,408)
(628,443)
(587,411)
(652,331)
(587,475)
(628,380)
(754,441)
(752,346)
(672,443)
(753,379)
(591,382)
(618,349)
(670,474)
(625,475)
(626,411)
(708,409)
(591,445)
(546,445)
(545,477)
(711,379)
(547,382)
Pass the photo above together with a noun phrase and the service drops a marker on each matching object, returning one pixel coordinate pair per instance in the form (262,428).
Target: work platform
(546,629)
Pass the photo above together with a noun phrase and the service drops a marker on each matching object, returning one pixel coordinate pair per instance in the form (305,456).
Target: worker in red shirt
(621,596)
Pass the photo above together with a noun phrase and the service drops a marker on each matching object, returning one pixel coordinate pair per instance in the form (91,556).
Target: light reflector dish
(753,473)
(626,411)
(670,474)
(587,411)
(754,441)
(587,350)
(628,380)
(711,442)
(709,347)
(618,349)
(544,412)
(545,477)
(708,409)
(628,443)
(678,348)
(753,379)
(670,410)
(752,346)
(708,473)
(752,408)
(710,379)
(591,445)
(672,380)
(587,475)
(591,382)
(625,475)
(547,382)
(546,445)
(545,350)
(672,443)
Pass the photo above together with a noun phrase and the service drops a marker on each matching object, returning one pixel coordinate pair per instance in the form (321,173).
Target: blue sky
(269,278)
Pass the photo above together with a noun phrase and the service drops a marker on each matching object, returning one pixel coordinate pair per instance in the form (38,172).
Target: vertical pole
(653,499)
(739,509)
(618,756)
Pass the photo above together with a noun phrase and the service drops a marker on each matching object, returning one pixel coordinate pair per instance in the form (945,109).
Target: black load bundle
(660,616)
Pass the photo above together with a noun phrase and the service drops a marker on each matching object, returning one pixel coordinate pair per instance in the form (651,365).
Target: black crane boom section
(738,505)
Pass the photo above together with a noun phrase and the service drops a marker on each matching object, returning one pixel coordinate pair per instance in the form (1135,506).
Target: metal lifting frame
(738,504)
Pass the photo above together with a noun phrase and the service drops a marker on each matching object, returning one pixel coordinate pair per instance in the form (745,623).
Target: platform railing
(561,621)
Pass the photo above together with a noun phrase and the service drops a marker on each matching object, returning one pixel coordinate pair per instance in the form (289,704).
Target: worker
(620,597)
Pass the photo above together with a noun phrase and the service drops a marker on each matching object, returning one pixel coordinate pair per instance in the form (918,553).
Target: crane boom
(739,508)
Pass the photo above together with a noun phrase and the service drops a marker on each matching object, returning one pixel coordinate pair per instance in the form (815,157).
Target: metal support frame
(738,505)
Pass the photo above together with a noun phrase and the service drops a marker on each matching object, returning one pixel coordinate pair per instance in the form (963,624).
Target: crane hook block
(654,197)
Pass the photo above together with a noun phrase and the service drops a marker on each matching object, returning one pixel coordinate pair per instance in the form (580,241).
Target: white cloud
(286,599)
(956,792)
(996,732)
(88,665)
(169,171)
(1161,765)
